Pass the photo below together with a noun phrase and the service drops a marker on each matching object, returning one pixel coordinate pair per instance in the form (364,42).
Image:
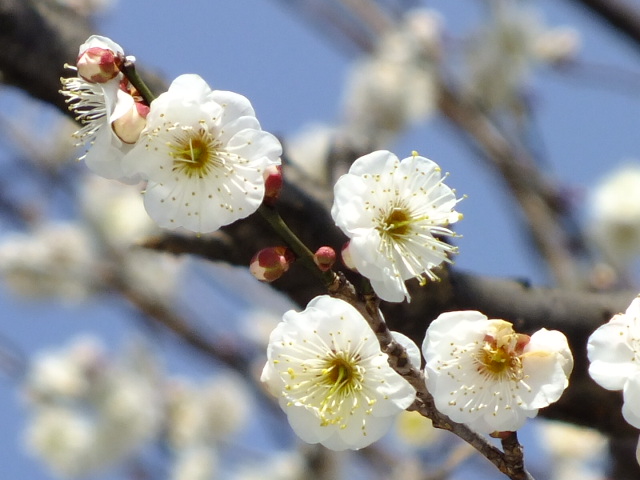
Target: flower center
(397,223)
(341,378)
(496,359)
(195,153)
(500,356)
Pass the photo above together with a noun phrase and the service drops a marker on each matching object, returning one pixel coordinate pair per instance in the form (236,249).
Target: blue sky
(294,76)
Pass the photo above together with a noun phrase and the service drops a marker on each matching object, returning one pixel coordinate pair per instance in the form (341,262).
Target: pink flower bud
(346,257)
(270,263)
(325,257)
(272,184)
(98,65)
(128,126)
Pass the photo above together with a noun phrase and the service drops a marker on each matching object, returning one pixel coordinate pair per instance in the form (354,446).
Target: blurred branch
(619,14)
(539,200)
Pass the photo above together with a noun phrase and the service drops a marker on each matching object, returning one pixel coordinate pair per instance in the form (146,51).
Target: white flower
(206,413)
(285,465)
(480,372)
(331,378)
(502,55)
(614,224)
(203,153)
(397,84)
(97,106)
(309,150)
(64,373)
(55,260)
(95,413)
(391,210)
(576,453)
(614,352)
(115,213)
(62,438)
(198,462)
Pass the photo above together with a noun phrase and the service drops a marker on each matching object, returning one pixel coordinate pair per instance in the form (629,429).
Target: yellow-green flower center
(195,153)
(340,378)
(500,355)
(397,223)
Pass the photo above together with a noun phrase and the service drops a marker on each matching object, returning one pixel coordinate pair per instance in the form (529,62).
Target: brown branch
(619,14)
(507,462)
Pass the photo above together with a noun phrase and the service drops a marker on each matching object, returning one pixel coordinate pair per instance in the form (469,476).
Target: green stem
(128,68)
(305,255)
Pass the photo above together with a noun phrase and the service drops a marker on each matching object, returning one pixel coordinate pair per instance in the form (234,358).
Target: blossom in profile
(204,153)
(331,378)
(614,353)
(394,211)
(98,106)
(484,374)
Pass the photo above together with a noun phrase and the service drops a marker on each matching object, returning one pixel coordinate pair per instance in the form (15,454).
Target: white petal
(631,405)
(100,42)
(375,163)
(610,354)
(413,352)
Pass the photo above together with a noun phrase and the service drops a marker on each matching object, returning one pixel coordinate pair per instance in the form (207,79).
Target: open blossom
(97,106)
(392,209)
(331,378)
(203,153)
(614,353)
(482,373)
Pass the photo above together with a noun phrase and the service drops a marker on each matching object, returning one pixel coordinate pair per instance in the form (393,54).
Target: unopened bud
(272,184)
(128,126)
(346,257)
(325,257)
(270,263)
(98,65)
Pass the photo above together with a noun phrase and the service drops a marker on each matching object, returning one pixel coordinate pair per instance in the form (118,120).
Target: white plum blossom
(63,439)
(93,412)
(576,452)
(614,353)
(331,378)
(614,215)
(54,260)
(397,84)
(502,55)
(97,106)
(207,413)
(482,373)
(203,152)
(198,462)
(393,210)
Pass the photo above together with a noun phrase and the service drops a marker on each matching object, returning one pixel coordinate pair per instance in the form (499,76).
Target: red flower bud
(98,65)
(325,257)
(270,263)
(272,184)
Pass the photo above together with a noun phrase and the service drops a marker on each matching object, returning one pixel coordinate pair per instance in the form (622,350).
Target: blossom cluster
(206,162)
(201,152)
(337,388)
(88,411)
